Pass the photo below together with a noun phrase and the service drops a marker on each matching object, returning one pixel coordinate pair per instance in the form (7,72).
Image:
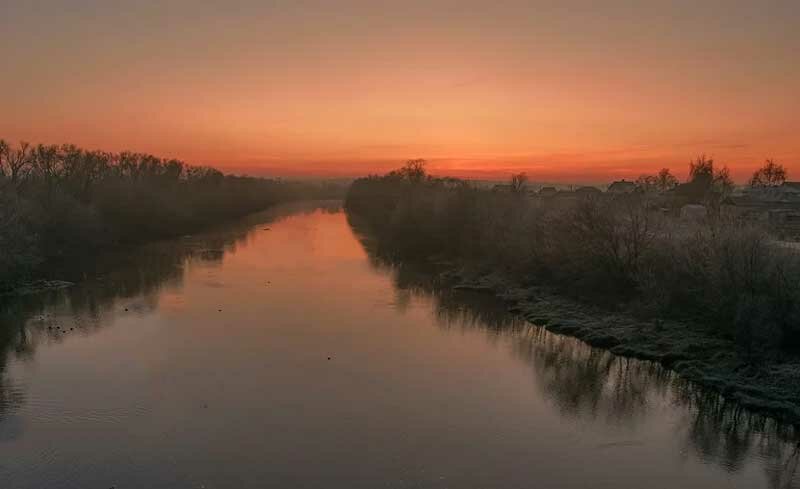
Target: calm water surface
(280,352)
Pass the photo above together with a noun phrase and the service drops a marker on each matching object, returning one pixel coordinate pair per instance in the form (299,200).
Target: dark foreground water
(278,352)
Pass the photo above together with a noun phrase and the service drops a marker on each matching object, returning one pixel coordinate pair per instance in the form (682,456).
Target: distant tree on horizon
(771,174)
(701,171)
(663,181)
(707,184)
(518,181)
(704,176)
(413,170)
(14,163)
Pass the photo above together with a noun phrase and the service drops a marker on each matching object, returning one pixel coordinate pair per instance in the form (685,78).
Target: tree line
(702,172)
(61,199)
(718,273)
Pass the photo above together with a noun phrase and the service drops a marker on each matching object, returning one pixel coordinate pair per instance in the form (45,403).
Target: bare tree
(614,235)
(701,171)
(660,182)
(17,162)
(770,175)
(709,185)
(722,183)
(48,165)
(413,170)
(518,181)
(3,152)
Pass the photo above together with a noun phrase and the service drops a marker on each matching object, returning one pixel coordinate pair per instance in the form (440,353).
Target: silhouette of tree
(3,152)
(701,171)
(518,181)
(413,170)
(722,181)
(709,184)
(660,182)
(14,163)
(770,175)
(60,198)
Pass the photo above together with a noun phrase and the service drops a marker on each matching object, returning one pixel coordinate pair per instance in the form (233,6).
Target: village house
(503,187)
(622,187)
(547,192)
(778,207)
(588,192)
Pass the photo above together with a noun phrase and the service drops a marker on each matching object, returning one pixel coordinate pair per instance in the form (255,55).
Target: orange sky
(572,93)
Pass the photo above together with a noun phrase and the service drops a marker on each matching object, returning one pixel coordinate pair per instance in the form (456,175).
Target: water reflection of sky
(204,361)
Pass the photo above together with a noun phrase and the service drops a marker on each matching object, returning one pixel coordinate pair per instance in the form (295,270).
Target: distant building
(791,188)
(566,196)
(778,207)
(746,207)
(621,187)
(503,187)
(547,192)
(786,192)
(587,191)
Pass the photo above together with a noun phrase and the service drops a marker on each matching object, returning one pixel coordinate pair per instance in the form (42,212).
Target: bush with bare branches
(722,274)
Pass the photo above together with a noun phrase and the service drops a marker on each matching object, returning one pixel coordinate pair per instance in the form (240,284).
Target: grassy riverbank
(62,201)
(769,385)
(713,300)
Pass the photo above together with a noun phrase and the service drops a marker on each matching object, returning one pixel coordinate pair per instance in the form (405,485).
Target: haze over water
(280,352)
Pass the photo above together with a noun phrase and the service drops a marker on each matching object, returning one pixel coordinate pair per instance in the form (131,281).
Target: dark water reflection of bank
(112,277)
(591,383)
(582,384)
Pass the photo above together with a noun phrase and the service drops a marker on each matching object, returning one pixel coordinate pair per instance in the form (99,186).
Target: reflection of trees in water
(724,432)
(12,341)
(587,382)
(138,273)
(590,382)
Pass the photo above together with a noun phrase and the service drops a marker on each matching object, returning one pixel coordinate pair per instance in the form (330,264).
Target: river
(279,351)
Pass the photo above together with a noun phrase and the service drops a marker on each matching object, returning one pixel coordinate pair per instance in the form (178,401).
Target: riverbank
(68,269)
(713,300)
(35,287)
(60,201)
(770,386)
(286,319)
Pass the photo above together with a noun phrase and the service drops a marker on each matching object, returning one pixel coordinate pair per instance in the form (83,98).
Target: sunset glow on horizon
(570,93)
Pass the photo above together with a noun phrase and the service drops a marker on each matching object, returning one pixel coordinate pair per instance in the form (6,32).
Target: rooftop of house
(622,186)
(761,200)
(504,187)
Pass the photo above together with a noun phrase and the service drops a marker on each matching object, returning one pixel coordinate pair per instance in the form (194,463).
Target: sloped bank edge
(35,287)
(771,389)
